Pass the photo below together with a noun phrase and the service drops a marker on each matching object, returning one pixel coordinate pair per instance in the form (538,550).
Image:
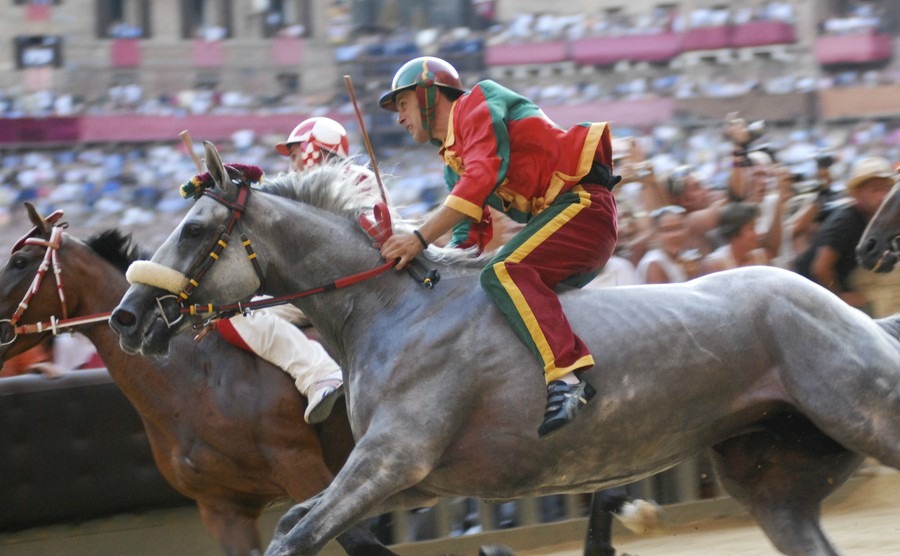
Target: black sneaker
(563,402)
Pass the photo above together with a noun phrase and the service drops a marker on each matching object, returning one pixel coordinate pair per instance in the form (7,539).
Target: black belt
(601,174)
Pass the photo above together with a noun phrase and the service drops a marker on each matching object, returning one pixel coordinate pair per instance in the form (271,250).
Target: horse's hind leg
(782,475)
(598,541)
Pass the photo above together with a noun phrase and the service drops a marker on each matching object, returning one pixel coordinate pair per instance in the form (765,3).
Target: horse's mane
(116,248)
(334,187)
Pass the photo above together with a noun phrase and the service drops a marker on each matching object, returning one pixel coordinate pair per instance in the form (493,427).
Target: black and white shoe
(563,402)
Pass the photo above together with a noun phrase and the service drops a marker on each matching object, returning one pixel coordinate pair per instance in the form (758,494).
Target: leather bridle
(10,328)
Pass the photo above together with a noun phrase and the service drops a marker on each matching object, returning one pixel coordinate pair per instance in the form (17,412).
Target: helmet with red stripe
(318,138)
(426,75)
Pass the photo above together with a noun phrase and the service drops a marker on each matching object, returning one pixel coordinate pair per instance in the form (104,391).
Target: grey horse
(786,386)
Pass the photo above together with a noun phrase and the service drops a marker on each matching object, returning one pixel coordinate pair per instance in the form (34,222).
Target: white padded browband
(156,275)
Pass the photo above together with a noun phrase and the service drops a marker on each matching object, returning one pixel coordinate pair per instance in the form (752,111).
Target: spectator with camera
(680,186)
(756,177)
(810,209)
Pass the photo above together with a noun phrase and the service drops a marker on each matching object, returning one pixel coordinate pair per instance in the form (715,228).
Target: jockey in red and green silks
(503,151)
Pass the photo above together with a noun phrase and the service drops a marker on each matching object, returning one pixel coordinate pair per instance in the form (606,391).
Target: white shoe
(322,401)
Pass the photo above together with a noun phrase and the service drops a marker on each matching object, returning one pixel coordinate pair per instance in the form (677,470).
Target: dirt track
(862,518)
(865,522)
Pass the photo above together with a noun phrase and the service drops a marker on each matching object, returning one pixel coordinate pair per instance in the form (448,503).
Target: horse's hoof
(642,517)
(495,550)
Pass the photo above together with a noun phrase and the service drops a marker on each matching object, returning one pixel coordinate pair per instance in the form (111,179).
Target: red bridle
(50,260)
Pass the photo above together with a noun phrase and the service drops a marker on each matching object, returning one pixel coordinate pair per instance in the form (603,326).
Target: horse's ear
(216,168)
(40,224)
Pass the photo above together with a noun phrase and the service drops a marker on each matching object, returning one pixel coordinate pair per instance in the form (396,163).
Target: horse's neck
(146,385)
(304,248)
(330,248)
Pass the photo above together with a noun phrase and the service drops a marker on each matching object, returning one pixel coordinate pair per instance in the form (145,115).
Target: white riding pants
(271,334)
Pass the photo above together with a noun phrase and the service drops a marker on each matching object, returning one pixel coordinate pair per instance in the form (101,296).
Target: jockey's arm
(406,247)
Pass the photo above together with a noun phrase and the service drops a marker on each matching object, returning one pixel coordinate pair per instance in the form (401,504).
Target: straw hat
(867,168)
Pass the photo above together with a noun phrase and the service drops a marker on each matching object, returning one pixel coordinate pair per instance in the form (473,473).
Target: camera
(755,130)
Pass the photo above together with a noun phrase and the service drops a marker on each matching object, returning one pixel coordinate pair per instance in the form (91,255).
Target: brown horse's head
(879,246)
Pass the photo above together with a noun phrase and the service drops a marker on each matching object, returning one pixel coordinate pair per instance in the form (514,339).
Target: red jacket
(502,150)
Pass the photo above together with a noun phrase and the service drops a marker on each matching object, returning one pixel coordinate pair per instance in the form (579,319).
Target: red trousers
(568,242)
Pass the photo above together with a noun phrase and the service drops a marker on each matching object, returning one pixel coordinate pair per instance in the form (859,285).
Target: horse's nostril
(123,317)
(869,245)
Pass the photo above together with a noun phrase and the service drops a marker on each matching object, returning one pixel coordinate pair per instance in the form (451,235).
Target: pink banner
(208,54)
(659,47)
(762,33)
(38,130)
(125,53)
(287,51)
(167,128)
(706,38)
(852,48)
(37,12)
(526,53)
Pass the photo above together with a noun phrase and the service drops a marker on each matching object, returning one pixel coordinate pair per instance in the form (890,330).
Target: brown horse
(226,428)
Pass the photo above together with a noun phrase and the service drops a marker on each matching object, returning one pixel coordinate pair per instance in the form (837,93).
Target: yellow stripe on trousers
(515,294)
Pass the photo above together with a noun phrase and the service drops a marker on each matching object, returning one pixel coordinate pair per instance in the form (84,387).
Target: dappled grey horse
(879,247)
(785,385)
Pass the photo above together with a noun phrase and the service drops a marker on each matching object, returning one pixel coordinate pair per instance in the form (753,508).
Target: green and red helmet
(423,72)
(426,75)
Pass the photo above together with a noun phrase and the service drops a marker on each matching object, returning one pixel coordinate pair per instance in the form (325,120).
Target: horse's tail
(890,324)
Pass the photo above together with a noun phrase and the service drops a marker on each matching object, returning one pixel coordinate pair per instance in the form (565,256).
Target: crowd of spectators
(135,187)
(549,26)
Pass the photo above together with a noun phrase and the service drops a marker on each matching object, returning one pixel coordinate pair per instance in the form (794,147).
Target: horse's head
(203,259)
(879,247)
(30,283)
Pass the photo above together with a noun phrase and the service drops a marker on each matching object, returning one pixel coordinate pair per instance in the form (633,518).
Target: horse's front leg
(376,469)
(356,541)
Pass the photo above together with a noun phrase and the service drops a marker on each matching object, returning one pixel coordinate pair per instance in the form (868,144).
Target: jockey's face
(409,116)
(296,155)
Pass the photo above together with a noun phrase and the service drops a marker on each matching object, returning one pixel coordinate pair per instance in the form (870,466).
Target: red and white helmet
(316,135)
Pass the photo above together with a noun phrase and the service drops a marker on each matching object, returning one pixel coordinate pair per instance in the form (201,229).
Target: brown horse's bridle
(9,328)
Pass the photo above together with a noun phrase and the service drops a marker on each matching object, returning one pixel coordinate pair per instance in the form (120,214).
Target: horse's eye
(18,262)
(190,231)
